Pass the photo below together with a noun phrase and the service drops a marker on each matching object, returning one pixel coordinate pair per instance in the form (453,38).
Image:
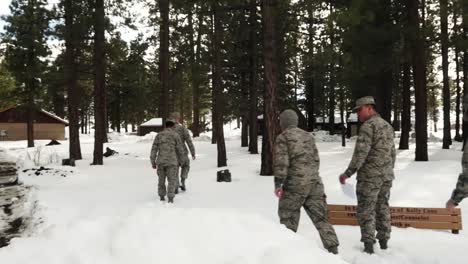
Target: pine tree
(26,51)
(270,105)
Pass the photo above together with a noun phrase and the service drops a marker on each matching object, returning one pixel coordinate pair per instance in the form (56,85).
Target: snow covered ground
(111,213)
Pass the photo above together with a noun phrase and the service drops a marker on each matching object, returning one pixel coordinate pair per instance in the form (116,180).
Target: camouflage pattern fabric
(374,153)
(296,158)
(461,189)
(313,199)
(373,211)
(296,168)
(373,159)
(169,173)
(167,149)
(186,140)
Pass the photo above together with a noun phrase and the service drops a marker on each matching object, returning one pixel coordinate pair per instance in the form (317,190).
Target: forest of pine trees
(216,61)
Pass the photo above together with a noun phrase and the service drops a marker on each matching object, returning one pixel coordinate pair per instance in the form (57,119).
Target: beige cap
(366,100)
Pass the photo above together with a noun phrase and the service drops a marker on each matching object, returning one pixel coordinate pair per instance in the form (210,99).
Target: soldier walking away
(461,189)
(166,154)
(374,160)
(297,180)
(184,135)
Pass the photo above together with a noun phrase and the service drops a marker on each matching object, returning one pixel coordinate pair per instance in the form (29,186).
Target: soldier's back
(379,159)
(167,140)
(303,155)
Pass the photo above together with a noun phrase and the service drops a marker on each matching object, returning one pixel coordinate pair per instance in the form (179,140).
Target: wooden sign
(416,217)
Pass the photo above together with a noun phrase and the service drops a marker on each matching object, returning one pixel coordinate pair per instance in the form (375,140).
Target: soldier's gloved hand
(193,157)
(279,192)
(155,166)
(450,204)
(343,178)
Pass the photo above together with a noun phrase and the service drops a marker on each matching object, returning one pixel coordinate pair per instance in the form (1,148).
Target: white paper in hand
(348,190)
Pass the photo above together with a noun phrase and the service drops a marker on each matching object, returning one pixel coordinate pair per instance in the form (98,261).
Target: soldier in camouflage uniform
(461,189)
(166,155)
(186,140)
(373,159)
(297,180)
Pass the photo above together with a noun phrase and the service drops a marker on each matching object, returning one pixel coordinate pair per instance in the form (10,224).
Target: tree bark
(244,110)
(447,138)
(194,68)
(270,105)
(406,102)
(217,86)
(99,83)
(456,32)
(465,67)
(309,71)
(331,86)
(71,81)
(253,93)
(164,58)
(30,117)
(418,51)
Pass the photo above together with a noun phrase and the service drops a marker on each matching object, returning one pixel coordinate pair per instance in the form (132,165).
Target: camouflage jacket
(167,149)
(296,158)
(186,138)
(461,190)
(374,153)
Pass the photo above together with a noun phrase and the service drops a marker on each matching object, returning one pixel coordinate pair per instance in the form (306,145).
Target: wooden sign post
(416,217)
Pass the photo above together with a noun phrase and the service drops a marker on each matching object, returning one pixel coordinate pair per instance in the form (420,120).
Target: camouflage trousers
(373,211)
(169,173)
(184,170)
(312,198)
(461,189)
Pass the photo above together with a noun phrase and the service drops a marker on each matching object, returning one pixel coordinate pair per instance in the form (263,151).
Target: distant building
(13,124)
(152,125)
(351,124)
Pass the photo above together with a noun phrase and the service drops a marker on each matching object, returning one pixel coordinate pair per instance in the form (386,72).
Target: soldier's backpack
(223,176)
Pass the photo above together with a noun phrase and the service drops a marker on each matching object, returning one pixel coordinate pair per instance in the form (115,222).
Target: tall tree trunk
(280,9)
(30,115)
(418,51)
(164,58)
(99,83)
(456,32)
(458,136)
(397,97)
(217,86)
(245,110)
(385,78)
(253,92)
(309,70)
(465,68)
(194,70)
(406,102)
(342,109)
(71,81)
(331,86)
(213,103)
(270,107)
(447,139)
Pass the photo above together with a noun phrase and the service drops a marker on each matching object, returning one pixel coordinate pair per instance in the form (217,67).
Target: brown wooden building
(13,124)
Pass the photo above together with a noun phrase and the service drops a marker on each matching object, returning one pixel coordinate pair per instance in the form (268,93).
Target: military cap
(366,100)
